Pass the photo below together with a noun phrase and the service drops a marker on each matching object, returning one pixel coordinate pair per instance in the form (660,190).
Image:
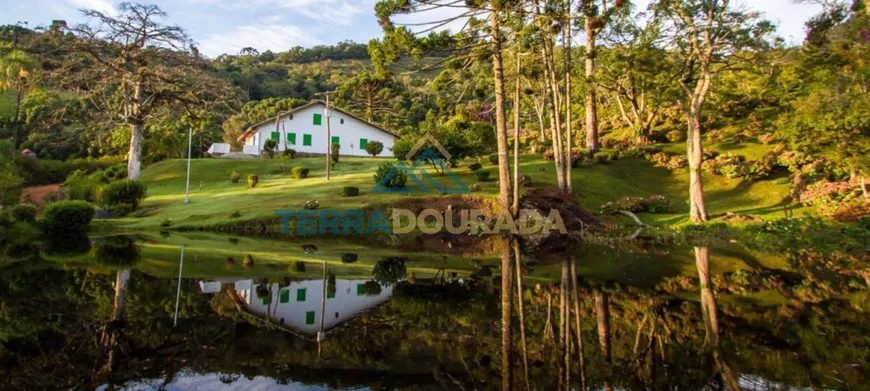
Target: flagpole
(178,291)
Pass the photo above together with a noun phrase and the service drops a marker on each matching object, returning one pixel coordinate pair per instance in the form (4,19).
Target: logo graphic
(434,156)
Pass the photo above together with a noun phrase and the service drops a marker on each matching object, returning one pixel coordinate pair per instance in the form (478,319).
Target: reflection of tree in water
(711,317)
(428,335)
(389,271)
(116,251)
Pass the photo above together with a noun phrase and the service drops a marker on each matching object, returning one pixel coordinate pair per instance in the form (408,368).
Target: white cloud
(272,37)
(104,6)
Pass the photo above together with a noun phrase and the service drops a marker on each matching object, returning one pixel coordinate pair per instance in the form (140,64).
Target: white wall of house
(311,137)
(301,311)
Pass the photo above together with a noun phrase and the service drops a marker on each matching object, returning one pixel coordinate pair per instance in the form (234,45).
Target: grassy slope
(214,198)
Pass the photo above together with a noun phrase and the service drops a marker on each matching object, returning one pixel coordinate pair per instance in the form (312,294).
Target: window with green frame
(309,317)
(291,138)
(363,143)
(318,119)
(300,294)
(276,136)
(336,140)
(306,140)
(360,289)
(284,296)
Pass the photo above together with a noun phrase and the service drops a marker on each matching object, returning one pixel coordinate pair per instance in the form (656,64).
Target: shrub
(667,160)
(81,186)
(676,136)
(333,153)
(125,192)
(291,153)
(475,166)
(120,209)
(311,205)
(253,179)
(117,251)
(300,172)
(397,181)
(67,216)
(166,223)
(374,148)
(389,271)
(235,177)
(652,204)
(349,191)
(299,266)
(235,214)
(604,157)
(493,158)
(767,138)
(269,147)
(349,257)
(248,262)
(482,176)
(524,180)
(475,187)
(24,212)
(372,288)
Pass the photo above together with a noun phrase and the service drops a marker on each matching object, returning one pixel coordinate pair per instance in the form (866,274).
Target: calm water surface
(208,312)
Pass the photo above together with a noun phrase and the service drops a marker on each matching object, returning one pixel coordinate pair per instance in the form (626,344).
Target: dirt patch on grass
(40,195)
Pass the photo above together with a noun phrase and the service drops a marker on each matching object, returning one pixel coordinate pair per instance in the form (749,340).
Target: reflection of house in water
(298,305)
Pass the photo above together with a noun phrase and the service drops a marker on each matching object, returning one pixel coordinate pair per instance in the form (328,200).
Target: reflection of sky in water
(188,381)
(298,305)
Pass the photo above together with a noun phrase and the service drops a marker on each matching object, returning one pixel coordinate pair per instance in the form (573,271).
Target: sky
(227,26)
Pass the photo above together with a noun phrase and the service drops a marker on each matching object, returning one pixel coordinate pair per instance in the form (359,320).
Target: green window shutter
(285,296)
(330,294)
(318,119)
(276,136)
(291,138)
(309,317)
(336,140)
(363,143)
(268,299)
(300,294)
(306,140)
(360,289)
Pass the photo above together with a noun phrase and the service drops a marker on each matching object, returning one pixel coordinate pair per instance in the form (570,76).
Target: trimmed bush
(475,166)
(127,192)
(82,186)
(482,176)
(269,147)
(236,215)
(248,262)
(299,266)
(24,212)
(235,177)
(333,152)
(604,157)
(493,158)
(374,148)
(349,191)
(291,153)
(120,209)
(349,257)
(396,182)
(117,251)
(300,172)
(67,216)
(253,179)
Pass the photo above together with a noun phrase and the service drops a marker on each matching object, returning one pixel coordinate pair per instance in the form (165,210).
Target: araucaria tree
(481,38)
(709,37)
(129,65)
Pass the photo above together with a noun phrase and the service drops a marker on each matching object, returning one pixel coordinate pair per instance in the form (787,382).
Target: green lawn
(214,198)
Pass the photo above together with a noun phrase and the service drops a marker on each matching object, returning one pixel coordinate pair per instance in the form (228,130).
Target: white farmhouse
(304,130)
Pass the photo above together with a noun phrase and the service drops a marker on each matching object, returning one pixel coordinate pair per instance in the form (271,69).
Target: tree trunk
(569,185)
(521,313)
(591,103)
(695,155)
(504,183)
(864,188)
(515,205)
(134,156)
(17,127)
(711,317)
(576,296)
(602,313)
(506,304)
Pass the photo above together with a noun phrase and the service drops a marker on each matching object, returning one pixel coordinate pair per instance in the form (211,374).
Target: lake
(200,311)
